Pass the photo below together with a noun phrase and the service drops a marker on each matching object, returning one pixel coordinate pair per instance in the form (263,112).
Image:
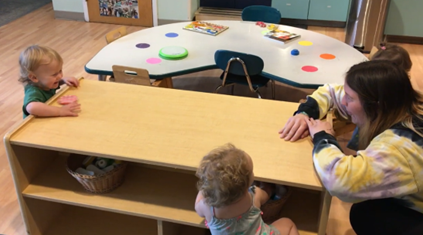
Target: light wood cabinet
(163,134)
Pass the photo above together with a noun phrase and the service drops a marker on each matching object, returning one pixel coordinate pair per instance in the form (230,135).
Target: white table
(241,36)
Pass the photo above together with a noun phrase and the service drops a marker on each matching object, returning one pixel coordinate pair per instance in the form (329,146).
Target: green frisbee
(173,52)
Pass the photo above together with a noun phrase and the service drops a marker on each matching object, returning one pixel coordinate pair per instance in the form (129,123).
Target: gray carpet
(11,10)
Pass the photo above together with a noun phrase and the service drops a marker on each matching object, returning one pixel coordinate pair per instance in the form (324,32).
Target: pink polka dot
(309,68)
(154,60)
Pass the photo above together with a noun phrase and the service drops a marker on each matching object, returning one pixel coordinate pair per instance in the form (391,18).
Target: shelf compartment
(146,192)
(168,228)
(303,208)
(83,221)
(156,193)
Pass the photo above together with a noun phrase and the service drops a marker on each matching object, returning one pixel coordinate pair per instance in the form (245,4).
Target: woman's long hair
(387,97)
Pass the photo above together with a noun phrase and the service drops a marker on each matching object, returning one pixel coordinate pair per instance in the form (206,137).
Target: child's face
(47,76)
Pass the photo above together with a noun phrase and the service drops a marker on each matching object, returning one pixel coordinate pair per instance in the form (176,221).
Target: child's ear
(33,78)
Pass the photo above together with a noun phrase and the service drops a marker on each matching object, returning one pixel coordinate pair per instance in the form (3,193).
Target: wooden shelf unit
(157,197)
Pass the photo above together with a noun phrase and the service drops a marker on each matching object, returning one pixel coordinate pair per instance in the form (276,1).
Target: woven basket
(96,183)
(272,208)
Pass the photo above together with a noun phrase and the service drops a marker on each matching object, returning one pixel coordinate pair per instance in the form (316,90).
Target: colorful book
(205,27)
(281,35)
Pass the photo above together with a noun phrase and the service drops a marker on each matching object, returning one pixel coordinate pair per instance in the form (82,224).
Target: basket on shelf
(102,183)
(272,208)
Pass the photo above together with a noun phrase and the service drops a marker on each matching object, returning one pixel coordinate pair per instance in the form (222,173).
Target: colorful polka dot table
(320,60)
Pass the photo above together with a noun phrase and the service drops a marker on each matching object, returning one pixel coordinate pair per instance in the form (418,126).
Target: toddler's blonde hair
(32,58)
(224,175)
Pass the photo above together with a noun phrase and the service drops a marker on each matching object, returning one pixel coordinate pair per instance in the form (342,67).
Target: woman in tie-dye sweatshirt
(385,178)
(330,95)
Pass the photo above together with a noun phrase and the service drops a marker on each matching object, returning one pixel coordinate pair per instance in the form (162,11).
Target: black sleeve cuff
(310,107)
(323,137)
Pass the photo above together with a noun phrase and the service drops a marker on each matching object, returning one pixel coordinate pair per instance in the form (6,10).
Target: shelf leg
(325,202)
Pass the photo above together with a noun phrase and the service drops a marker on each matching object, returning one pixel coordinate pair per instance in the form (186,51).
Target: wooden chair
(372,52)
(112,36)
(137,76)
(261,13)
(115,34)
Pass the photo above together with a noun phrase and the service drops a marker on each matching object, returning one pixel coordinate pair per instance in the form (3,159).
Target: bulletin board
(124,12)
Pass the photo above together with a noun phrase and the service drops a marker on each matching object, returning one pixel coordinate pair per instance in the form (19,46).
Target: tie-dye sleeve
(380,171)
(322,100)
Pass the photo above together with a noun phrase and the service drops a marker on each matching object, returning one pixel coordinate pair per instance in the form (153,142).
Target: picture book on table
(281,35)
(206,28)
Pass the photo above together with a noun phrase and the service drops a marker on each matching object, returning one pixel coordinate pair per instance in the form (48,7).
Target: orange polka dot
(327,56)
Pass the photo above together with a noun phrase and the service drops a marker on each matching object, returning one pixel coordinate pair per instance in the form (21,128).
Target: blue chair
(261,13)
(241,68)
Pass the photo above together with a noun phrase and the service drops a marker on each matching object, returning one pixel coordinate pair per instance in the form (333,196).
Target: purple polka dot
(154,60)
(143,45)
(172,35)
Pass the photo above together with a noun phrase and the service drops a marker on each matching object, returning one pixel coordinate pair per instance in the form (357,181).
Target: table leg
(165,82)
(102,77)
(325,202)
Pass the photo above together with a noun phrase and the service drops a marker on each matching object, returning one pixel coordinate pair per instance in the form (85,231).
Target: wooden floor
(78,42)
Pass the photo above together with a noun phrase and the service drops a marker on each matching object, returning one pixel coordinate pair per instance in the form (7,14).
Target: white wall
(195,4)
(173,9)
(68,5)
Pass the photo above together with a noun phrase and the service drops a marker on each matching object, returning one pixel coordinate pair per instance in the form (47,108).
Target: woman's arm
(317,106)
(322,100)
(382,170)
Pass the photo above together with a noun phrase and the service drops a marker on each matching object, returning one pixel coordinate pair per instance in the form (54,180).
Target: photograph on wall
(119,8)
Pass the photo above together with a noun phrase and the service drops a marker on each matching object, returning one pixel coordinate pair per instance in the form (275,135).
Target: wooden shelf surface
(173,128)
(83,221)
(156,194)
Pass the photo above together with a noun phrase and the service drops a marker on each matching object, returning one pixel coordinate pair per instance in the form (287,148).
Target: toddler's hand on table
(70,110)
(296,128)
(71,81)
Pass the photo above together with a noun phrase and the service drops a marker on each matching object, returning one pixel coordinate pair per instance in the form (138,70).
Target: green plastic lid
(173,52)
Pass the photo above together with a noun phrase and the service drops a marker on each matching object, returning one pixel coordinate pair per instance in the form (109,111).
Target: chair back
(228,62)
(115,34)
(131,75)
(261,13)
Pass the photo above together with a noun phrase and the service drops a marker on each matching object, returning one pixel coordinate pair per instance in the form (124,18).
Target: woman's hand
(315,126)
(296,128)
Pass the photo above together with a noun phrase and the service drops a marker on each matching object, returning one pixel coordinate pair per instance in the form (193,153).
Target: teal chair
(241,68)
(261,13)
